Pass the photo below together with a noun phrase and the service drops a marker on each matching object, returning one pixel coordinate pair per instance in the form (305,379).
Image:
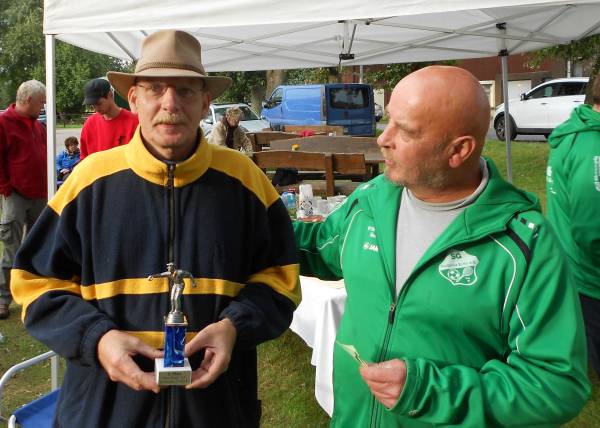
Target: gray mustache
(169,119)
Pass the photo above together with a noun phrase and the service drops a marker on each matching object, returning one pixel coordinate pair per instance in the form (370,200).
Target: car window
(276,98)
(349,98)
(247,113)
(544,91)
(571,88)
(219,113)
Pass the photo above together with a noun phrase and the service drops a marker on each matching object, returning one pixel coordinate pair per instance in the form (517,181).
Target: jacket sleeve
(543,379)
(59,160)
(45,281)
(319,244)
(246,143)
(263,310)
(5,188)
(583,187)
(217,135)
(83,142)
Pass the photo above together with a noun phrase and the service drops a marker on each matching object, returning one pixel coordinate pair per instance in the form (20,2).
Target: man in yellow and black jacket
(168,196)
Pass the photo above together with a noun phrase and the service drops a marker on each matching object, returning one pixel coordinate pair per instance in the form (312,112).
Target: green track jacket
(488,322)
(573,190)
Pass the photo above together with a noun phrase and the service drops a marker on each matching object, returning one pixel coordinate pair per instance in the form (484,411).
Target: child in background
(67,159)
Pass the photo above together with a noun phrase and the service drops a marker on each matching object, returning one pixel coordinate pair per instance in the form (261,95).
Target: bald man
(459,300)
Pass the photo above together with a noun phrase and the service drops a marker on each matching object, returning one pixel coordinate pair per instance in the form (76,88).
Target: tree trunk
(257,95)
(274,79)
(333,75)
(588,89)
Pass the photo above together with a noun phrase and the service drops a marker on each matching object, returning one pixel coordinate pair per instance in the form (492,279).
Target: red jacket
(22,155)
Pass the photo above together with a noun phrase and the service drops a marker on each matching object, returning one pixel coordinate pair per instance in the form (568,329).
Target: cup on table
(322,207)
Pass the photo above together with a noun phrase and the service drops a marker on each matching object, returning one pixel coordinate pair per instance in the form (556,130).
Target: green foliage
(579,50)
(302,76)
(388,75)
(243,82)
(21,45)
(23,57)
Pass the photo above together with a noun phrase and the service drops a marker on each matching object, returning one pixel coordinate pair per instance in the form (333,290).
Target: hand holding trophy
(174,368)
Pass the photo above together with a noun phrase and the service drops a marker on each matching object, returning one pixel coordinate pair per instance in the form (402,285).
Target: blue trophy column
(174,345)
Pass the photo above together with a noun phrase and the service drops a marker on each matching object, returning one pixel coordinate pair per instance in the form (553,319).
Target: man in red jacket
(110,126)
(22,175)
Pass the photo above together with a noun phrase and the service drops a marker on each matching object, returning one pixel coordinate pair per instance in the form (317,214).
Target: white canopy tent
(242,35)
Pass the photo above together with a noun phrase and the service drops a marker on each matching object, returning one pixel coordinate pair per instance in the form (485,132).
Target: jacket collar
(156,171)
(499,202)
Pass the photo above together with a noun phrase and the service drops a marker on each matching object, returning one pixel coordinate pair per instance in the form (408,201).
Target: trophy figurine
(174,368)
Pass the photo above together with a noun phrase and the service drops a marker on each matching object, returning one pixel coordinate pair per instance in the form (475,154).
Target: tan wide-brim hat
(169,53)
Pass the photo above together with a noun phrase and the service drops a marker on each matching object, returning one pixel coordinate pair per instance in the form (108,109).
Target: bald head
(439,117)
(452,96)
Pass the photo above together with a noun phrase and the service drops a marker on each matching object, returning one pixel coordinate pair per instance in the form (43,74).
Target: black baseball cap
(94,90)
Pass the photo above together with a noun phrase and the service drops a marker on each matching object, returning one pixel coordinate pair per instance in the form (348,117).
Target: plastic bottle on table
(289,200)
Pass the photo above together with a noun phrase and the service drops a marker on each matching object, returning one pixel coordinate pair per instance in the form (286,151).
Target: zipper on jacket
(382,353)
(171,191)
(170,257)
(392,314)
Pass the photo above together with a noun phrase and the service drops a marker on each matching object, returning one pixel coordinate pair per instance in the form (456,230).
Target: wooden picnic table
(337,144)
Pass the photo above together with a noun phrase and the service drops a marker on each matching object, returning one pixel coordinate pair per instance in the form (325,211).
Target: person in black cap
(110,125)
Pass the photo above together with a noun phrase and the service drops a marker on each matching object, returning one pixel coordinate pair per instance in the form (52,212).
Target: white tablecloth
(316,321)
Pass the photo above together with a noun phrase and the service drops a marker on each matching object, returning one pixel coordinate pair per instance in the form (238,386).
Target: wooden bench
(322,129)
(329,164)
(344,144)
(261,140)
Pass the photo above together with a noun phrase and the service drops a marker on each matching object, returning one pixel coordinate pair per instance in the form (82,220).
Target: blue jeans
(18,216)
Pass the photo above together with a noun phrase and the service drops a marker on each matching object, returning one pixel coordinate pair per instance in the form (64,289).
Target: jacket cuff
(406,402)
(237,318)
(89,343)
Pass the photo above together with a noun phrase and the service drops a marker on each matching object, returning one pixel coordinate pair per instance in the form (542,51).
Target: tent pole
(51,114)
(503,54)
(507,121)
(361,74)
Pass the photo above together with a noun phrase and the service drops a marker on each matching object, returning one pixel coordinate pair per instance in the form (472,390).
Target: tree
(387,76)
(21,45)
(586,49)
(22,57)
(247,86)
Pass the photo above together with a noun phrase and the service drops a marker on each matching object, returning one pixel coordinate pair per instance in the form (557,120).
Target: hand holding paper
(351,350)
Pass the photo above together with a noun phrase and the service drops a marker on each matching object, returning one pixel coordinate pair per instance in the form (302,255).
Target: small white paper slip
(351,350)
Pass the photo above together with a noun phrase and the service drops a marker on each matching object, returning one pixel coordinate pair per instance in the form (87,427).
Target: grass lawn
(286,384)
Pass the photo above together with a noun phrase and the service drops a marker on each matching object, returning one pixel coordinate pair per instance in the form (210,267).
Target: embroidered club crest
(459,267)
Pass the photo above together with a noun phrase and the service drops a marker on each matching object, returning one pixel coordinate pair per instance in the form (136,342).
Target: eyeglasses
(158,89)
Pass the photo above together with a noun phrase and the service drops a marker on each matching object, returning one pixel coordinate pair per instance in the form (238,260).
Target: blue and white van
(349,105)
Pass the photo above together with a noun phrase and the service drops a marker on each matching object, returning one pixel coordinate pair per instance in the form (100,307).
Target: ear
(461,149)
(132,99)
(207,100)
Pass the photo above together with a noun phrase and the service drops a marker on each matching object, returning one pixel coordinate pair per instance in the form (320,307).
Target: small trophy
(174,368)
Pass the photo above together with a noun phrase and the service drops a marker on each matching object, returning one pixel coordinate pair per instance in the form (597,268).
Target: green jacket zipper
(383,354)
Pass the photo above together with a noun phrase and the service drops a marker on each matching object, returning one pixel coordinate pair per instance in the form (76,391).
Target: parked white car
(250,120)
(543,108)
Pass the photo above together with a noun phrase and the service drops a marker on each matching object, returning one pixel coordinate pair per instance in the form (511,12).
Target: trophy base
(167,376)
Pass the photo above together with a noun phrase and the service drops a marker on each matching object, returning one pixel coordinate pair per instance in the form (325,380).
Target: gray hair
(31,88)
(234,112)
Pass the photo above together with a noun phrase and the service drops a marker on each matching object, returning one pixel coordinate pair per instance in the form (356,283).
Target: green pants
(18,216)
